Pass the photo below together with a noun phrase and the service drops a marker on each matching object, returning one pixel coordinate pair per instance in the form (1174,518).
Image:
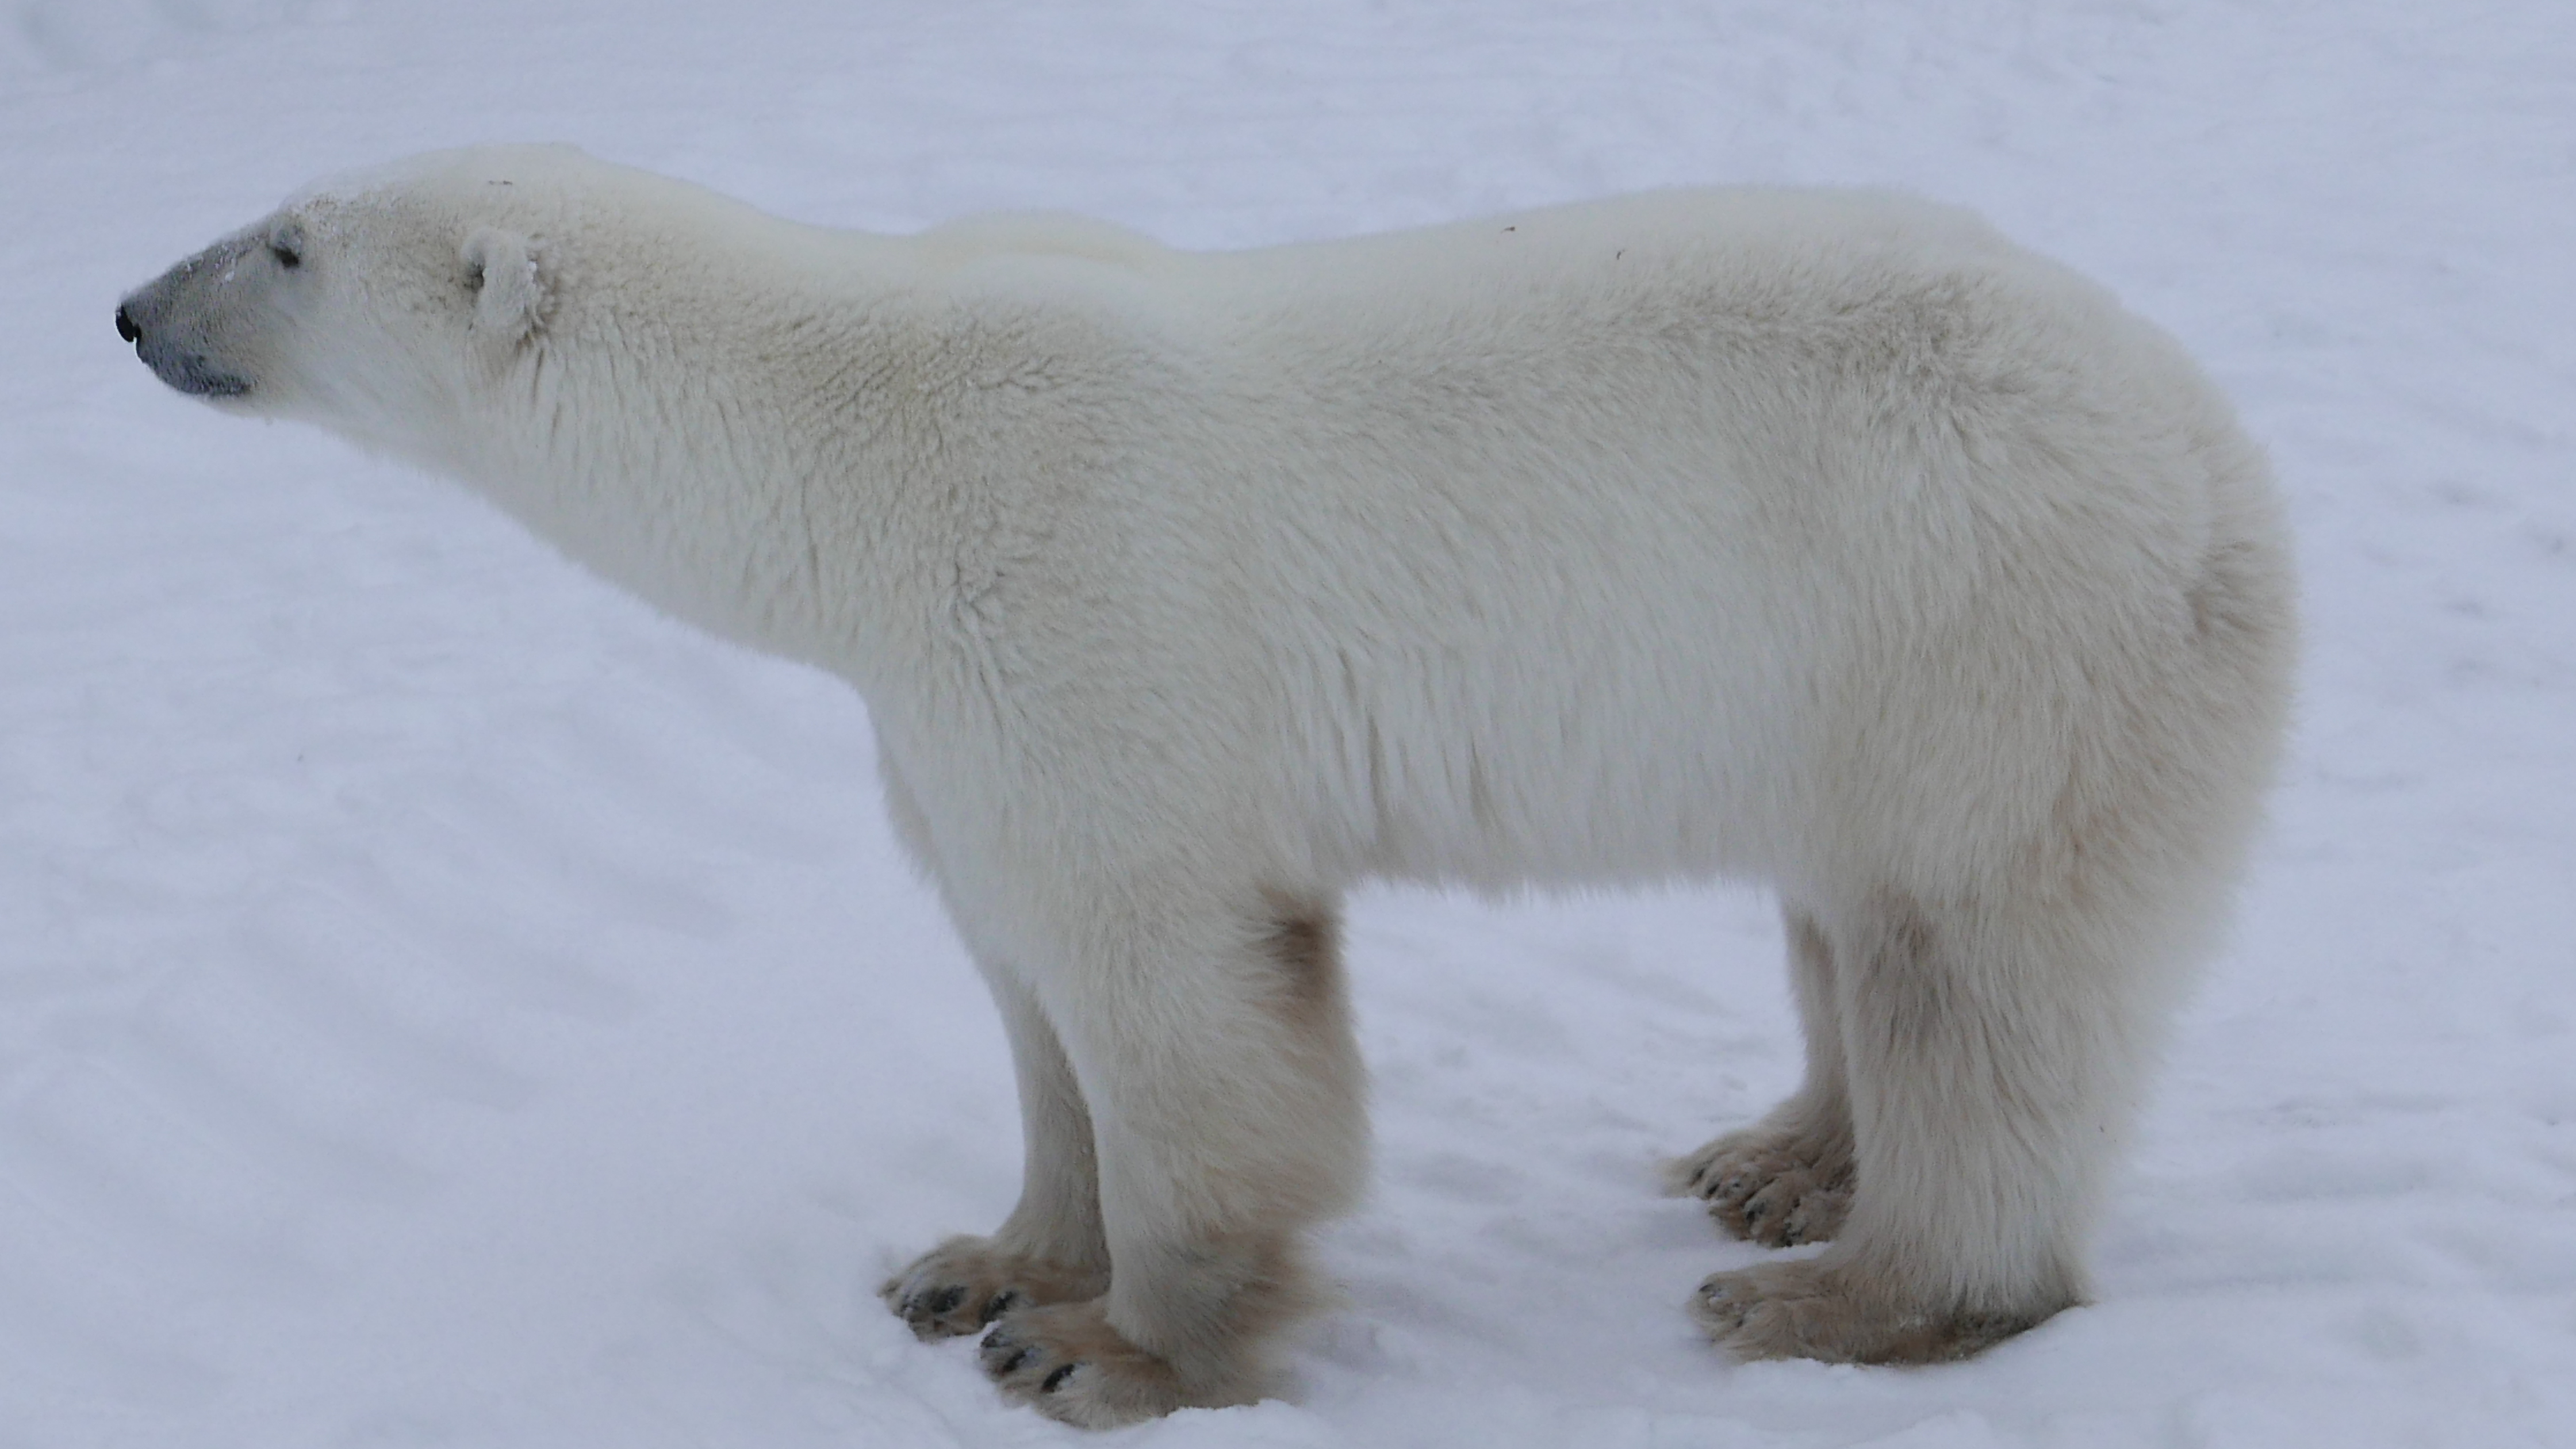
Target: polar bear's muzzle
(184,323)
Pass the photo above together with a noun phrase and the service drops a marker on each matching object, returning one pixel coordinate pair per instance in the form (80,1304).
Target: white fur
(1822,539)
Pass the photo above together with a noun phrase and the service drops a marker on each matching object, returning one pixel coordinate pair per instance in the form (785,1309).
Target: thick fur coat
(1827,540)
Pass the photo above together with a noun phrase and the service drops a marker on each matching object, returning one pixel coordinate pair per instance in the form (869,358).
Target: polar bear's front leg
(1050,1249)
(1215,1050)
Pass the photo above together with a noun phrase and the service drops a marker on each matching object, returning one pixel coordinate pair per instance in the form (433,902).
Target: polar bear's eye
(286,245)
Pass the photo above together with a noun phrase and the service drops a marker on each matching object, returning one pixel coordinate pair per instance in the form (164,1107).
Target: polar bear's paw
(1770,1186)
(1069,1364)
(964,1284)
(1816,1309)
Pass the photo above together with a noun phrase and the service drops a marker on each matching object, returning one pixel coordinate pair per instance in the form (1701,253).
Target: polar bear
(1820,539)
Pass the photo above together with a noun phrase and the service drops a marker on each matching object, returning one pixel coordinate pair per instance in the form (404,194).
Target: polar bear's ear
(509,290)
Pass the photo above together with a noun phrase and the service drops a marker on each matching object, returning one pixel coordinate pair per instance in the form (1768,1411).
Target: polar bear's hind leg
(1995,1049)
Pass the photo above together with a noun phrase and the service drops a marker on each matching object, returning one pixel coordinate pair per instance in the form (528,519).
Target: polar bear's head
(387,306)
(599,351)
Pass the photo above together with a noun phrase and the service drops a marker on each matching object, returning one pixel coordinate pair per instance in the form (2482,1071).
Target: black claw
(1755,1212)
(943,1300)
(1002,1302)
(1056,1379)
(1728,1315)
(1002,1352)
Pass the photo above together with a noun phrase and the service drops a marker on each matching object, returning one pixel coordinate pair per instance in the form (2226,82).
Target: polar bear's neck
(822,461)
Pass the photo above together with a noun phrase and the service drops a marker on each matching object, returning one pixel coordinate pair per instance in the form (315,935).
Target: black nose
(125,327)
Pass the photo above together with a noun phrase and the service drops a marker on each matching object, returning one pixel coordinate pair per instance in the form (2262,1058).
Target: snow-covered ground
(443,1003)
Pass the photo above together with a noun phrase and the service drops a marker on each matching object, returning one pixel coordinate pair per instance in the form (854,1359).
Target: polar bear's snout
(185,323)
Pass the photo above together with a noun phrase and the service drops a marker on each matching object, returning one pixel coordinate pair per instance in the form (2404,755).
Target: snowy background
(443,1003)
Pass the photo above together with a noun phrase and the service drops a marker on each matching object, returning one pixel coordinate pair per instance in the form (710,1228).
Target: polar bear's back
(1870,498)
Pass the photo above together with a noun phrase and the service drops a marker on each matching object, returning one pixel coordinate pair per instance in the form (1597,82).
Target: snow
(443,1003)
